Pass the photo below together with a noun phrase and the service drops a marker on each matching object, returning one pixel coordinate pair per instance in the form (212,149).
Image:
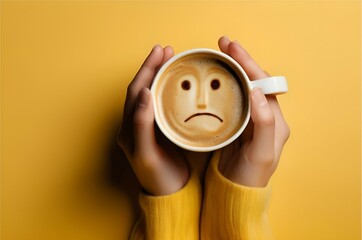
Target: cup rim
(157,112)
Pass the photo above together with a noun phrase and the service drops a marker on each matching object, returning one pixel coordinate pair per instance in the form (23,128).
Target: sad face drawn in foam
(202,101)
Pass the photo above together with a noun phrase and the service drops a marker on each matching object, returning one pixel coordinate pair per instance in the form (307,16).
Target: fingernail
(155,47)
(258,96)
(143,97)
(237,42)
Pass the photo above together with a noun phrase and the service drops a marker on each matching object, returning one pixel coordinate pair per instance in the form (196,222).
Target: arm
(253,158)
(168,210)
(159,166)
(237,191)
(174,216)
(231,210)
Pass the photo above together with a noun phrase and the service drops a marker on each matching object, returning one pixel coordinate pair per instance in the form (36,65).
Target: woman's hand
(253,158)
(159,165)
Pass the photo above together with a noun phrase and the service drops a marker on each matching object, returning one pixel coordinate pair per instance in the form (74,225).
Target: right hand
(159,165)
(253,158)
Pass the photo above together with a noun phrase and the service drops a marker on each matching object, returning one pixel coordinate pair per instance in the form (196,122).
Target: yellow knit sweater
(219,210)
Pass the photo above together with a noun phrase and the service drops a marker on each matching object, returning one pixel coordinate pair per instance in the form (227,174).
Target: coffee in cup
(201,99)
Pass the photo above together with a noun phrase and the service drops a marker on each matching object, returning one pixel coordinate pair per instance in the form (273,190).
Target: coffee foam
(200,101)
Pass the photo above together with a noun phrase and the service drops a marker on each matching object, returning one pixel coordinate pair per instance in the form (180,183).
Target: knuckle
(263,159)
(132,89)
(122,141)
(143,162)
(267,159)
(140,119)
(287,132)
(267,119)
(285,129)
(125,139)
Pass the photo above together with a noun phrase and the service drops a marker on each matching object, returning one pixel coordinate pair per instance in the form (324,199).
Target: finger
(241,56)
(282,130)
(148,69)
(224,44)
(143,78)
(167,54)
(143,126)
(261,148)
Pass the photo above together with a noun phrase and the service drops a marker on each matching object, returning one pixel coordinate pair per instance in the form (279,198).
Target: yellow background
(65,67)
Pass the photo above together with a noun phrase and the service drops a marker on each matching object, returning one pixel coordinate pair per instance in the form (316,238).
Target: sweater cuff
(238,211)
(256,196)
(174,216)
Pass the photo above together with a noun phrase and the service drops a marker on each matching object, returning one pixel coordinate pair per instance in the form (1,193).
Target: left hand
(253,158)
(160,166)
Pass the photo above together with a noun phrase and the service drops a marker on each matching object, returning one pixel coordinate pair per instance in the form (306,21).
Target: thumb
(143,120)
(261,148)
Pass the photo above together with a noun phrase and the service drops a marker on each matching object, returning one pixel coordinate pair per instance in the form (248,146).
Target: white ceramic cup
(270,85)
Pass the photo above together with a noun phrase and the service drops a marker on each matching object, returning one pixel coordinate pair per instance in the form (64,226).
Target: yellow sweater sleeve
(233,211)
(171,217)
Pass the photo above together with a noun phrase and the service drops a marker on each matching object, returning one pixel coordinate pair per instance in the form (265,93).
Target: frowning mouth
(207,114)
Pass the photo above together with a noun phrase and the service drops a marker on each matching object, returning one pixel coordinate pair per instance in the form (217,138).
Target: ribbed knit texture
(229,211)
(174,216)
(233,211)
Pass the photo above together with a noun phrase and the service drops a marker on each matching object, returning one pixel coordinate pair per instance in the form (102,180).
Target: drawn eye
(186,85)
(215,84)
